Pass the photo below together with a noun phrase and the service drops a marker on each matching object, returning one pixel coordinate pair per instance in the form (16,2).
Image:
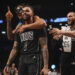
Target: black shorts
(29,64)
(65,63)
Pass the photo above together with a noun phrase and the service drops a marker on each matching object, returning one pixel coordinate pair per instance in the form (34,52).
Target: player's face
(19,11)
(70,18)
(27,13)
(19,15)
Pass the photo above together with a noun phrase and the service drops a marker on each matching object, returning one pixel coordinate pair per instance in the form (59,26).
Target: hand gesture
(6,70)
(9,15)
(44,71)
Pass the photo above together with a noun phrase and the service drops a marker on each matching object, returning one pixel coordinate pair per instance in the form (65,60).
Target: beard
(26,17)
(71,22)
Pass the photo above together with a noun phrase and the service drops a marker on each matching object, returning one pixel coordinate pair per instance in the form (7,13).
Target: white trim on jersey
(66,40)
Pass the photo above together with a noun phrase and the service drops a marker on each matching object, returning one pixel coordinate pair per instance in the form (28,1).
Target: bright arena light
(53,66)
(1,21)
(3,32)
(57,20)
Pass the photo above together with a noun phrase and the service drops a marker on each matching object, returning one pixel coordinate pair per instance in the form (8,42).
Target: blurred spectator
(13,70)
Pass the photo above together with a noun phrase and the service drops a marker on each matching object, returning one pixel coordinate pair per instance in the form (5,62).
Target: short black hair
(71,12)
(18,8)
(31,7)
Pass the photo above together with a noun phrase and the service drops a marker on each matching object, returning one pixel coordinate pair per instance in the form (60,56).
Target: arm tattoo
(43,42)
(9,30)
(45,56)
(15,47)
(13,53)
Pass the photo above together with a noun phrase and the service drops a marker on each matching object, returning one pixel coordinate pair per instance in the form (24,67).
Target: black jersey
(29,40)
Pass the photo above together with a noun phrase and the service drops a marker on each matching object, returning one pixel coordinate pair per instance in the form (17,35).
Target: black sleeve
(42,32)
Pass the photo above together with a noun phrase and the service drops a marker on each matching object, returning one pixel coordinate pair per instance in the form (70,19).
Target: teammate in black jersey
(38,22)
(27,45)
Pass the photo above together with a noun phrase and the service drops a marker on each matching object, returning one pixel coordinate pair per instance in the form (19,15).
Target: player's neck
(29,21)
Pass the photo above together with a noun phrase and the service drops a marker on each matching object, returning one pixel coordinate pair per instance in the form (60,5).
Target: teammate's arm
(63,32)
(39,23)
(69,33)
(12,56)
(9,17)
(13,53)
